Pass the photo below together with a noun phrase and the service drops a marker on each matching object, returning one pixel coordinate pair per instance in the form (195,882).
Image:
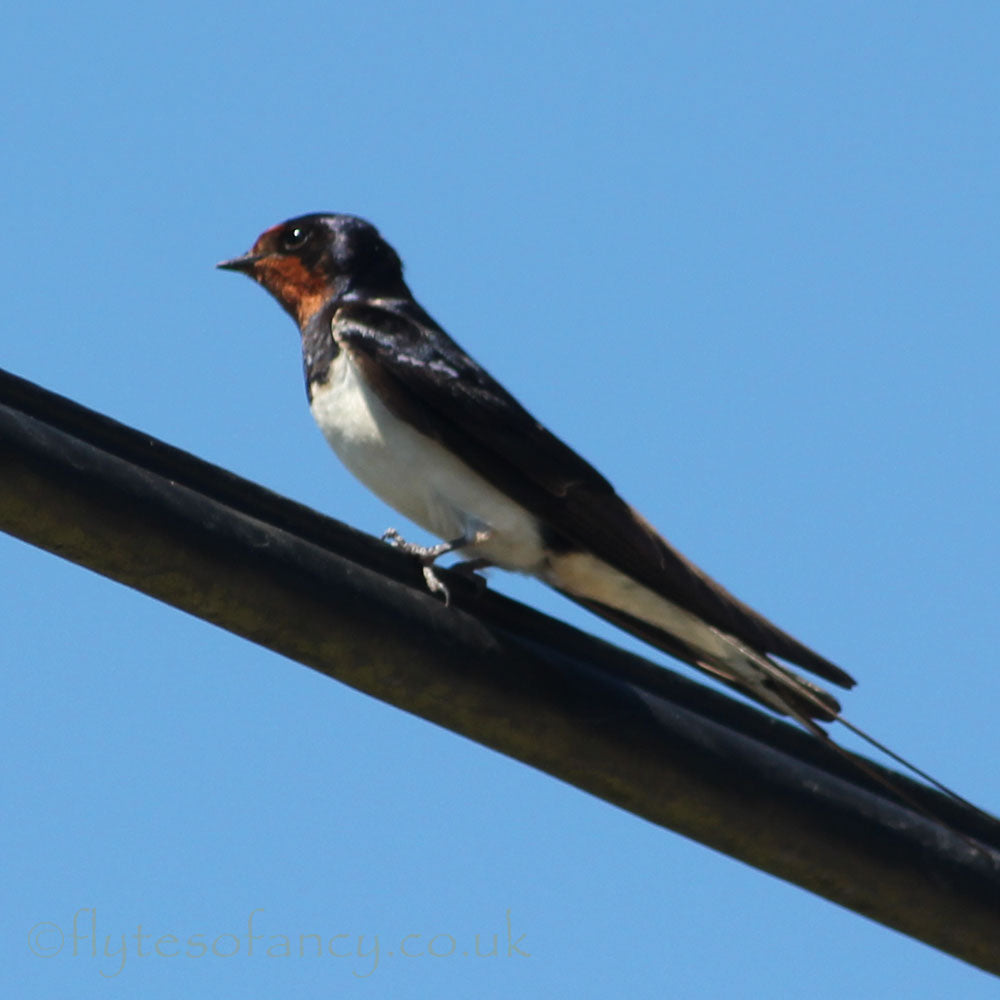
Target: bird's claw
(435,586)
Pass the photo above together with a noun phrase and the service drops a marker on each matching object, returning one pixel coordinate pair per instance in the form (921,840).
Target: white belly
(417,476)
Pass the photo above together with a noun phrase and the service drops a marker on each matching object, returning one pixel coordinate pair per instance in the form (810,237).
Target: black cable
(632,732)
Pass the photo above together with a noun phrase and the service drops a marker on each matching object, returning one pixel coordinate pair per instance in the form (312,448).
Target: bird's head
(311,260)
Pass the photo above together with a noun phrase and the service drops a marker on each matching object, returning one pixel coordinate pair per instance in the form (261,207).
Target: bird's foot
(426,554)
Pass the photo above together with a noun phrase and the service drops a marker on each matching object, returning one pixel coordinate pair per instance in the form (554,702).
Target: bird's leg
(427,554)
(422,552)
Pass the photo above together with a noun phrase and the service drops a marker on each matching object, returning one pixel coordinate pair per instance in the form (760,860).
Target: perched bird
(432,433)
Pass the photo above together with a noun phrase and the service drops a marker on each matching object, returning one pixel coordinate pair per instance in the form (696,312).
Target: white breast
(417,476)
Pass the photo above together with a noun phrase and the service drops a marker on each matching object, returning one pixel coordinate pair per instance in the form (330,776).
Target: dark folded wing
(426,378)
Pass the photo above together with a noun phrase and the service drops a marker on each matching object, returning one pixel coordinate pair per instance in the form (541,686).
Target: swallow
(433,434)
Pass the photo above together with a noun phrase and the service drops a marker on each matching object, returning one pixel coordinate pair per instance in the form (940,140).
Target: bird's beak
(244,263)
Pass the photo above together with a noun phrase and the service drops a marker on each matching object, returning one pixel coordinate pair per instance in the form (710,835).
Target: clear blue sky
(744,257)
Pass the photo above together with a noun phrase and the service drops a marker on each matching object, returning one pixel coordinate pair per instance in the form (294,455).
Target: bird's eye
(295,237)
